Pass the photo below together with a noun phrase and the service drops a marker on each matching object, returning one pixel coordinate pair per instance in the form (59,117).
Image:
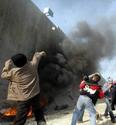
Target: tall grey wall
(24,28)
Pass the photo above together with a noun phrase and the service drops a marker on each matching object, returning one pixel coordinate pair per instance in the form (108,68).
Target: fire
(12,112)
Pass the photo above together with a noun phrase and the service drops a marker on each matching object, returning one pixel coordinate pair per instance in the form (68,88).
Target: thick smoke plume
(87,45)
(81,54)
(67,60)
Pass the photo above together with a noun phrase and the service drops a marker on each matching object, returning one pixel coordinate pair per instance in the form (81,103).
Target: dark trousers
(23,108)
(113,96)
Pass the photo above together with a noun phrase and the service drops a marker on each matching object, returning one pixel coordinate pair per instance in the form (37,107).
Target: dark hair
(19,60)
(99,77)
(86,78)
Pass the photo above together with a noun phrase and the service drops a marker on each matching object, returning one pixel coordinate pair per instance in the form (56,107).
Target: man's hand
(37,56)
(6,74)
(43,53)
(8,63)
(110,85)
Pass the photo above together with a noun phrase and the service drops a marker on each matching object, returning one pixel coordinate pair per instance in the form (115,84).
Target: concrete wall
(24,28)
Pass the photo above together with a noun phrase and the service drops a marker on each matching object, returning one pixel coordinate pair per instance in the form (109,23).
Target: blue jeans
(108,106)
(84,102)
(109,109)
(81,115)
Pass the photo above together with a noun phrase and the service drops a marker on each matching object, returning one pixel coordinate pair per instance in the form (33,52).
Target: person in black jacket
(113,96)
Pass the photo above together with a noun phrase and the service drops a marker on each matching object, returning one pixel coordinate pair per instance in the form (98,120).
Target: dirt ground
(63,117)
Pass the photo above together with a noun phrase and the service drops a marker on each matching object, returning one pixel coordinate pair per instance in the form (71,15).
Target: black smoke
(81,54)
(68,58)
(87,45)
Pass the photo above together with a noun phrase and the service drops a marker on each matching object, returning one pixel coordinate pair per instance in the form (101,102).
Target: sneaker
(113,108)
(41,123)
(80,121)
(113,120)
(105,115)
(97,116)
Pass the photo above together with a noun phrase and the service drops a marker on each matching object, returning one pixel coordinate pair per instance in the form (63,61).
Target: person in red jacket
(90,92)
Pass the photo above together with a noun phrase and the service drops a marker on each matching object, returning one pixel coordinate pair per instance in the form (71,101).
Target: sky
(68,13)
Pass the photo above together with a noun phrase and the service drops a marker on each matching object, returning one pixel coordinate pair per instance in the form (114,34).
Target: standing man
(107,100)
(24,86)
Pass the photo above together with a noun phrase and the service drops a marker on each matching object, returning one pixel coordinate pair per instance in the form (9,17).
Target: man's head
(95,77)
(19,60)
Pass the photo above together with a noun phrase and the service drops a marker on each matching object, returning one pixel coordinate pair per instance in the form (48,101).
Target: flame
(12,112)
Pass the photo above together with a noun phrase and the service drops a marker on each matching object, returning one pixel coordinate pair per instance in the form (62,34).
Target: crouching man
(90,91)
